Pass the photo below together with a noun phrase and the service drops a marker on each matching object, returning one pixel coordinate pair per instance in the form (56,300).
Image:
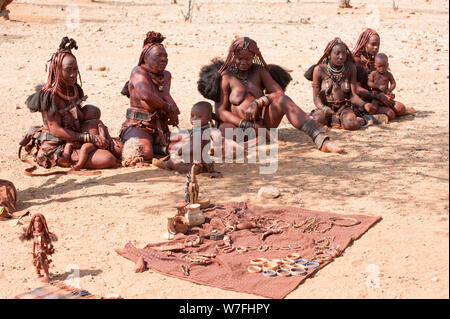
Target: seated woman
(364,53)
(152,108)
(59,103)
(334,90)
(247,96)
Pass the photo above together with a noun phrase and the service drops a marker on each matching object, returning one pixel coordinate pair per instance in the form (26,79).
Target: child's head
(201,113)
(90,112)
(381,63)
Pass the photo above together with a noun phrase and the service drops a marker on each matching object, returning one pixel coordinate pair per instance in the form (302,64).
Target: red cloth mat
(229,270)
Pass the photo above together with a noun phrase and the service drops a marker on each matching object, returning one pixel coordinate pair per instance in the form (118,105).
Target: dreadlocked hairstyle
(47,234)
(210,75)
(43,100)
(152,39)
(326,54)
(330,46)
(243,43)
(53,84)
(363,39)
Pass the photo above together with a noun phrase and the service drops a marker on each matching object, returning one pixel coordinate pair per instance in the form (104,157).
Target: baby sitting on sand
(90,123)
(183,150)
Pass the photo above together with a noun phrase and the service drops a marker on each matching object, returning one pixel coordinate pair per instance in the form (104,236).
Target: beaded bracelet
(269,273)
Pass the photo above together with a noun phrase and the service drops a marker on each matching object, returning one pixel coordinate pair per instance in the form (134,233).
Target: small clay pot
(180,224)
(194,215)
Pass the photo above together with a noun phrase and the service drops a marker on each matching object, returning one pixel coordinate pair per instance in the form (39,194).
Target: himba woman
(334,90)
(59,102)
(364,53)
(248,94)
(152,108)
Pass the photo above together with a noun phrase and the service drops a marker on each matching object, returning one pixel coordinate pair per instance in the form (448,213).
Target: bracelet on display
(254,269)
(269,273)
(300,261)
(298,272)
(258,261)
(312,264)
(283,273)
(268,265)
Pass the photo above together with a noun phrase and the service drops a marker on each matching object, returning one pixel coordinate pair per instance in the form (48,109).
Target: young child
(381,80)
(90,124)
(201,119)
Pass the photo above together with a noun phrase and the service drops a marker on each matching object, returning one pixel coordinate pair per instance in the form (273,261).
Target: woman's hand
(327,111)
(99,141)
(390,95)
(383,98)
(171,111)
(251,111)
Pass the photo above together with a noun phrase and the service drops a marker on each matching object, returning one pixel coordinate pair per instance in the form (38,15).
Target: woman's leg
(283,105)
(99,159)
(145,139)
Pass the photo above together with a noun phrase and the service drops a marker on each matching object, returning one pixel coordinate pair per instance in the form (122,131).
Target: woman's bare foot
(162,163)
(329,147)
(410,111)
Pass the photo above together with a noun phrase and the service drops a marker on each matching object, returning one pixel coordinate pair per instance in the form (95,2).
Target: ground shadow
(82,273)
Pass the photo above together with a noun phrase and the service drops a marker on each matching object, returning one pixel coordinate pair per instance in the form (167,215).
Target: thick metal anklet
(311,129)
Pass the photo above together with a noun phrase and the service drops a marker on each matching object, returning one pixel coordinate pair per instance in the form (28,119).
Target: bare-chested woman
(59,102)
(251,98)
(152,108)
(364,53)
(334,90)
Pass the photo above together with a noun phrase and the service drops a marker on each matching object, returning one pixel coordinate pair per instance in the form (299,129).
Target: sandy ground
(398,171)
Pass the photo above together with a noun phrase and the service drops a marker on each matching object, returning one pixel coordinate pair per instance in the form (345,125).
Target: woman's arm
(272,87)
(55,128)
(316,85)
(174,110)
(355,99)
(142,90)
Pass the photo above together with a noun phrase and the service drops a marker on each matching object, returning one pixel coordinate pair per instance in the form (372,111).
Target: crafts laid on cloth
(58,290)
(266,251)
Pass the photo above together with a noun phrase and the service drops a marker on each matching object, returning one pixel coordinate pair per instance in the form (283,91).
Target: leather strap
(46,136)
(132,114)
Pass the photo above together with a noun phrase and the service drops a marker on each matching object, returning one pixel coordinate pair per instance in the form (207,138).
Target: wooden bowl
(204,203)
